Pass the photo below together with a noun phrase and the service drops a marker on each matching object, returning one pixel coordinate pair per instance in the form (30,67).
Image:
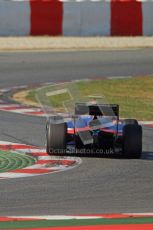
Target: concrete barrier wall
(86,18)
(76,18)
(14,18)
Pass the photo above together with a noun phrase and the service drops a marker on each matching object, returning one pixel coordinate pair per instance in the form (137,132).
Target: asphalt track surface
(98,185)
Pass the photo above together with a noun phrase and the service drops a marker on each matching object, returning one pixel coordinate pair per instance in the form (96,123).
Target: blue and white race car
(95,129)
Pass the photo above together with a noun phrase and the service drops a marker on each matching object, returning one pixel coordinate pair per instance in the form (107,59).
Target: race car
(96,129)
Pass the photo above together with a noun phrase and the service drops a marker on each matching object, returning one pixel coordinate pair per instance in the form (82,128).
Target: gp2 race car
(94,128)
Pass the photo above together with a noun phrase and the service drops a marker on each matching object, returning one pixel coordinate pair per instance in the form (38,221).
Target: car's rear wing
(97,109)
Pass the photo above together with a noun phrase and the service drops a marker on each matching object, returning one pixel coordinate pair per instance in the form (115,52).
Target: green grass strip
(134,95)
(65,223)
(11,161)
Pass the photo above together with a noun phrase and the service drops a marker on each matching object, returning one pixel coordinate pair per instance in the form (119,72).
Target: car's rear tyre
(56,137)
(132,141)
(130,121)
